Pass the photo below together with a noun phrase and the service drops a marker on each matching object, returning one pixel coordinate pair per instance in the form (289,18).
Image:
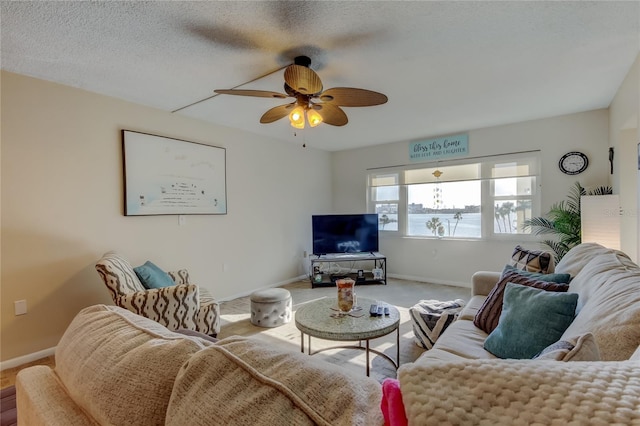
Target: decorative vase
(346,294)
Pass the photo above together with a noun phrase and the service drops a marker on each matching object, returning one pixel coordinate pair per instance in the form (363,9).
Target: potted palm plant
(562,222)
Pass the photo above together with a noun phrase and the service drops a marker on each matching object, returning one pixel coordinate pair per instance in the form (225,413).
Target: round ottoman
(270,307)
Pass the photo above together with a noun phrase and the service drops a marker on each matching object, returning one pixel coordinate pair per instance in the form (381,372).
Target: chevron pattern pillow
(532,260)
(431,318)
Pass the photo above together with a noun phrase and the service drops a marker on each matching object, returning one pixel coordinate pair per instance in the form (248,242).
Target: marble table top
(314,318)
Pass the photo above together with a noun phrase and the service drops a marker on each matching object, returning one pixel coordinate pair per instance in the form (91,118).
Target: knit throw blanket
(521,392)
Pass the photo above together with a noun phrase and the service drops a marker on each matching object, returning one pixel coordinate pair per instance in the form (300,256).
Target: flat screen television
(345,233)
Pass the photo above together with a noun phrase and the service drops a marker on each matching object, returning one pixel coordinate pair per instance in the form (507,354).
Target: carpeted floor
(236,321)
(400,293)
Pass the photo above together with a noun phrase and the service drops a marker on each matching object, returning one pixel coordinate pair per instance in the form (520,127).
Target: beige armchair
(182,306)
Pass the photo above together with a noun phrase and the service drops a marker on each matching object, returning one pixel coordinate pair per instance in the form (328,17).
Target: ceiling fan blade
(256,93)
(331,114)
(276,113)
(302,79)
(350,97)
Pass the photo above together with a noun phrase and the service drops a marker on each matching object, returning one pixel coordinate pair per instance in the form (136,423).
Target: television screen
(345,233)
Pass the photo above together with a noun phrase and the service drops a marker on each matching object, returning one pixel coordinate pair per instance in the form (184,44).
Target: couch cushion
(532,260)
(247,381)
(488,315)
(120,367)
(579,348)
(461,341)
(608,286)
(472,307)
(531,320)
(118,275)
(576,258)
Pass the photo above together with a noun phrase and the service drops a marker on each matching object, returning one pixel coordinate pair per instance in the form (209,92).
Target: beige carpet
(400,293)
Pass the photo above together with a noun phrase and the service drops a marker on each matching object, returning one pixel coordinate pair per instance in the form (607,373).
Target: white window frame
(527,165)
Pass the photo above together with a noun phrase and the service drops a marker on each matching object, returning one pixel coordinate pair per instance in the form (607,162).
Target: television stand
(331,267)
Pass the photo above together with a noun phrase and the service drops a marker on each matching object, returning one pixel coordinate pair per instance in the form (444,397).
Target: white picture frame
(166,176)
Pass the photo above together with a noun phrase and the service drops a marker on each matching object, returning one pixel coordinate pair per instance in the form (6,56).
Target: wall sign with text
(439,148)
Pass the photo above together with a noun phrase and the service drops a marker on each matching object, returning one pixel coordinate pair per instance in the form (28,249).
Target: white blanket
(521,392)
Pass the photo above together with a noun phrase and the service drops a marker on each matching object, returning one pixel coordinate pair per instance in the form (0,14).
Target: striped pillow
(488,315)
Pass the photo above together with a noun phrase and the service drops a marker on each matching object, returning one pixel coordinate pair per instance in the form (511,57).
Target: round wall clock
(573,163)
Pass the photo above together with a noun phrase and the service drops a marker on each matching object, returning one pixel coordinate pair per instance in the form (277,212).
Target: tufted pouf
(270,307)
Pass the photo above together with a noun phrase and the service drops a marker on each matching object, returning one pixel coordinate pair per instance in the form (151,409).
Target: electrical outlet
(182,220)
(304,254)
(20,307)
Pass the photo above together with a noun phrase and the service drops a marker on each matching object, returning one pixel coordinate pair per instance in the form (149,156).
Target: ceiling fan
(305,86)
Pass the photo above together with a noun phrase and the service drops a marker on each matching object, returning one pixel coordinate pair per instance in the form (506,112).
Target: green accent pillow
(550,278)
(153,277)
(531,320)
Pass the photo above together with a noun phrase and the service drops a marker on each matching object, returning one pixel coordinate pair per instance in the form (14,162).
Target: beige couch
(608,287)
(117,368)
(459,382)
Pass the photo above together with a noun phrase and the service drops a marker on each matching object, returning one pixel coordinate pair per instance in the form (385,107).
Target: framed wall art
(165,176)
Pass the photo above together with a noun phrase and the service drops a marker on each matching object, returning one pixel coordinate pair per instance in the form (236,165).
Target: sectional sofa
(114,367)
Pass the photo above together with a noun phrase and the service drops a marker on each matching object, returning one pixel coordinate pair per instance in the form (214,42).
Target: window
(386,198)
(473,198)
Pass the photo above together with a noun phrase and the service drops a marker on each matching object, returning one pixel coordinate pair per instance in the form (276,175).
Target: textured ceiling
(445,66)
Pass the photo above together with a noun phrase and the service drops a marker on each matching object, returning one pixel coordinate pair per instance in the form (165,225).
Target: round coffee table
(315,319)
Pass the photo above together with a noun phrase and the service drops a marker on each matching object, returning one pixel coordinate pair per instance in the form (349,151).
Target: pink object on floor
(391,405)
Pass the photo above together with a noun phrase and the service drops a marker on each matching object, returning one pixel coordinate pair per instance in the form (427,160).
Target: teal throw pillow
(153,277)
(531,320)
(550,278)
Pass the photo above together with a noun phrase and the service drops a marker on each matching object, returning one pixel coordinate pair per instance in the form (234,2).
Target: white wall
(453,262)
(62,204)
(624,136)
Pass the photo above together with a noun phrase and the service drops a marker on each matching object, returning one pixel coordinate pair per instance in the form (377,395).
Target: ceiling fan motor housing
(304,61)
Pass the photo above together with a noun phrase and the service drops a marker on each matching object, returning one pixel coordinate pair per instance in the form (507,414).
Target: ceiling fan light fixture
(313,117)
(296,117)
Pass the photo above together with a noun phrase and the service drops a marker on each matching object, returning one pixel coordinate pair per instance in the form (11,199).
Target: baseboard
(430,280)
(248,293)
(15,362)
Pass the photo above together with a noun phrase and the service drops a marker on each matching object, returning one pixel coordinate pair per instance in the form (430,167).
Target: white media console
(327,268)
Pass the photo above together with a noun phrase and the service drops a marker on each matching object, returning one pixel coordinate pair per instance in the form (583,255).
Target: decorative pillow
(531,320)
(488,315)
(431,318)
(580,348)
(153,277)
(550,278)
(532,260)
(391,405)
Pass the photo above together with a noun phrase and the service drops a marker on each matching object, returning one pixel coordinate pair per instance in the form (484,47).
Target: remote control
(373,311)
(386,310)
(380,310)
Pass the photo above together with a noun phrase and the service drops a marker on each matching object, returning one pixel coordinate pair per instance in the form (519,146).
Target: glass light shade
(296,117)
(313,117)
